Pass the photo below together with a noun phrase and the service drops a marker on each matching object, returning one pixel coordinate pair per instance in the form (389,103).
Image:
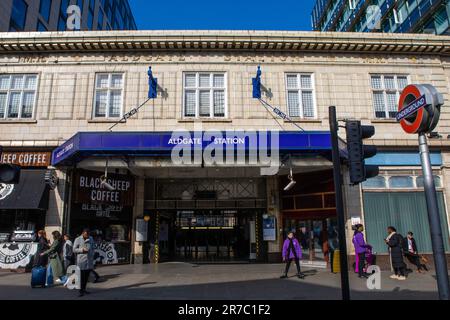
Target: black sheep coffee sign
(88,189)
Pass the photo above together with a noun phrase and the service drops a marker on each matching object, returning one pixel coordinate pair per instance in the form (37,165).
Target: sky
(222,15)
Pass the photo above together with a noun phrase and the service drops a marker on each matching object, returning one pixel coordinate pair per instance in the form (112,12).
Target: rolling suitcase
(38,277)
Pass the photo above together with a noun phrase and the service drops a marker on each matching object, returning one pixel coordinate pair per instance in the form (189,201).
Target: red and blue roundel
(419,108)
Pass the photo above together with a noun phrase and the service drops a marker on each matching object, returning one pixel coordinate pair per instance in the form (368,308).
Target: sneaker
(301,276)
(284,276)
(58,281)
(393,276)
(401,278)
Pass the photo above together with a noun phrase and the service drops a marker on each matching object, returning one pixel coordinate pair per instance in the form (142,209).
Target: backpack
(403,243)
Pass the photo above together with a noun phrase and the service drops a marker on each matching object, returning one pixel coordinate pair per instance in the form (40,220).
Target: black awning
(30,193)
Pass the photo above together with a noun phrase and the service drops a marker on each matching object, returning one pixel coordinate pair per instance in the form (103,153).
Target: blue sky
(221,15)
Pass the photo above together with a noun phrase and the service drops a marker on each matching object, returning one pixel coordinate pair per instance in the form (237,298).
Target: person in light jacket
(84,249)
(292,251)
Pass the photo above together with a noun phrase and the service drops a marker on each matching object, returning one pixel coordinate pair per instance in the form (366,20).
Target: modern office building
(51,15)
(61,92)
(405,16)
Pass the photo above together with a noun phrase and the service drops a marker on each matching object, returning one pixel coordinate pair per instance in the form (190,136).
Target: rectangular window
(204,95)
(108,95)
(44,9)
(300,95)
(17,95)
(386,90)
(18,15)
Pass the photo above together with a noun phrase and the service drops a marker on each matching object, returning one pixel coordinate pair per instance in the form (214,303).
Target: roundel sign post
(419,110)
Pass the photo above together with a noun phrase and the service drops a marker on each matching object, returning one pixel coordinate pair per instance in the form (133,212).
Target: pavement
(185,281)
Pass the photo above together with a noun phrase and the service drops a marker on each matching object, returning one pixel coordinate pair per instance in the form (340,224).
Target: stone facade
(341,64)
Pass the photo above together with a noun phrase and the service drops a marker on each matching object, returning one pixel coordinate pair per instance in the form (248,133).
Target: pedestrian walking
(292,251)
(324,242)
(68,255)
(360,250)
(84,249)
(39,259)
(412,253)
(395,244)
(334,245)
(55,269)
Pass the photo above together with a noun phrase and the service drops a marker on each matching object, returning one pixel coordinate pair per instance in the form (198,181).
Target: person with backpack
(395,243)
(292,251)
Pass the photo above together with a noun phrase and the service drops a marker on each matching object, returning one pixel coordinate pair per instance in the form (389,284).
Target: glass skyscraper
(404,16)
(51,15)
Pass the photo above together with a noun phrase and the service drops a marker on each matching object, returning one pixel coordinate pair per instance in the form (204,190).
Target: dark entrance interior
(206,235)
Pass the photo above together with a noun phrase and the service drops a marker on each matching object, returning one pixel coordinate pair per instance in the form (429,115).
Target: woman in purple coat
(360,250)
(292,251)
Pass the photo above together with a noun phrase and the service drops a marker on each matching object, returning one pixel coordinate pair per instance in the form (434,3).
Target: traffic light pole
(345,285)
(437,242)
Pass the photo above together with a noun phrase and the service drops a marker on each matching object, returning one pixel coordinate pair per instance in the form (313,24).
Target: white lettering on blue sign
(412,108)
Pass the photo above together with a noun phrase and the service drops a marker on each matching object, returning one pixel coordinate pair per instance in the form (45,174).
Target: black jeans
(415,260)
(288,264)
(84,279)
(399,271)
(361,263)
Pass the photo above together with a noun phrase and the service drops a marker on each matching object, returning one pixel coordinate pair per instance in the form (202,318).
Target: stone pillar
(353,207)
(274,208)
(138,212)
(55,213)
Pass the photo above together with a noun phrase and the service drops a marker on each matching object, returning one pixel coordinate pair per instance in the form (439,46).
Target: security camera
(290,185)
(104,183)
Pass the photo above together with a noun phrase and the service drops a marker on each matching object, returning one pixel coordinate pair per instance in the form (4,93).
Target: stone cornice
(286,41)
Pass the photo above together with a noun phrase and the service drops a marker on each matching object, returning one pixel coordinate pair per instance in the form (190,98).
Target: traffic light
(9,173)
(152,84)
(358,152)
(256,82)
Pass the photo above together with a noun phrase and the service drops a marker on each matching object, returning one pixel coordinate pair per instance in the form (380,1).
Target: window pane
(4,82)
(219,81)
(101,101)
(392,104)
(402,83)
(17,82)
(190,81)
(308,104)
(378,104)
(204,103)
(292,82)
(219,103)
(102,80)
(3,97)
(437,181)
(293,104)
(305,81)
(376,82)
(116,81)
(14,105)
(30,82)
(401,182)
(44,9)
(204,81)
(189,103)
(27,104)
(389,83)
(376,182)
(115,105)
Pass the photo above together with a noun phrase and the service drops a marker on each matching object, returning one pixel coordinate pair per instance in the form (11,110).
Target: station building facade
(60,93)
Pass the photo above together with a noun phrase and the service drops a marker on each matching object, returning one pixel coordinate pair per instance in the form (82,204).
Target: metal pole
(437,242)
(345,285)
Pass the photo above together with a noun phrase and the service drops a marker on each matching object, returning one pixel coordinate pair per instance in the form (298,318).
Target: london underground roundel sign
(419,108)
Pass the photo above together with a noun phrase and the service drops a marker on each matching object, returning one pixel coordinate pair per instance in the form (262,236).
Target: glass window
(386,91)
(17,96)
(108,95)
(100,20)
(204,95)
(401,182)
(41,27)
(300,96)
(44,9)
(18,15)
(378,182)
(437,181)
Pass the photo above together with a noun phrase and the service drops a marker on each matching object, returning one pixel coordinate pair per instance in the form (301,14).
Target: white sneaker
(401,278)
(393,276)
(58,281)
